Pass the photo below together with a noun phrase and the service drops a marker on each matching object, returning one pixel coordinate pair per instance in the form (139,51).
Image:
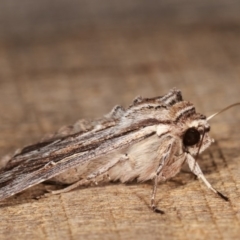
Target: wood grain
(48,82)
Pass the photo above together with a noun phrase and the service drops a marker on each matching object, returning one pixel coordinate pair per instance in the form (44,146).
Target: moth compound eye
(191,137)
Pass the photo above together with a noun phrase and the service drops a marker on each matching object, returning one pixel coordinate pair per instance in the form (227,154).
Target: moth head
(195,136)
(192,128)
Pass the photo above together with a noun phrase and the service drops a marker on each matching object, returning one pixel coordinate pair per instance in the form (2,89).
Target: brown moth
(150,140)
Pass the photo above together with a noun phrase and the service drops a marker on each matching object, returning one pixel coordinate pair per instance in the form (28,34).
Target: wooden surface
(47,82)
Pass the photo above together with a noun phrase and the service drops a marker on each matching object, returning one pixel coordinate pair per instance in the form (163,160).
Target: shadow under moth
(150,140)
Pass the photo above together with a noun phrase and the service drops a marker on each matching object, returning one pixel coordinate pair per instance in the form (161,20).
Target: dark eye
(191,137)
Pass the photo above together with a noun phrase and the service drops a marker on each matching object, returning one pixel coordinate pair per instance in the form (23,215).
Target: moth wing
(33,170)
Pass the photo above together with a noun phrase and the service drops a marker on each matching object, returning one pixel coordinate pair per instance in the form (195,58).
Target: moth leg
(194,167)
(93,175)
(164,157)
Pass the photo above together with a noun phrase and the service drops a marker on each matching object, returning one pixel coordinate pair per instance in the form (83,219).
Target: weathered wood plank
(49,83)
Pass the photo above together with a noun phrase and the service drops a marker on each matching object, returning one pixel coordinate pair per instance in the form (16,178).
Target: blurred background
(44,17)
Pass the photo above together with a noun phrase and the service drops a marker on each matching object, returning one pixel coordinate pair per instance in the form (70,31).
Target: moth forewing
(151,139)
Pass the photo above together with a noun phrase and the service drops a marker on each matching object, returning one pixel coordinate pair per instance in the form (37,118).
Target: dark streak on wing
(34,147)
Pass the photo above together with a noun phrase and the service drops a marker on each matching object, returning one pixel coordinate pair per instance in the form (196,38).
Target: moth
(149,140)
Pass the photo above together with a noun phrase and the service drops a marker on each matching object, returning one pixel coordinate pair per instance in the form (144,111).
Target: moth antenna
(200,145)
(223,110)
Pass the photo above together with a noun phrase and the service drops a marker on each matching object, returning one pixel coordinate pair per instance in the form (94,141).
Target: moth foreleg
(194,167)
(93,175)
(165,156)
